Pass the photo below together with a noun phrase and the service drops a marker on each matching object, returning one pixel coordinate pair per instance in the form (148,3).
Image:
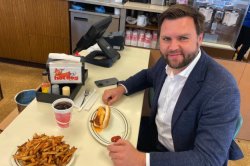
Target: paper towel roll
(117,11)
(118,1)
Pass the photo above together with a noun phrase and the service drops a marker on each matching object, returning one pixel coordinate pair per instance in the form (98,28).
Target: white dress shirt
(169,95)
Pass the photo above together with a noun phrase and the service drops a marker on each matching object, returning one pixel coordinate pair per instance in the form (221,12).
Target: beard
(186,58)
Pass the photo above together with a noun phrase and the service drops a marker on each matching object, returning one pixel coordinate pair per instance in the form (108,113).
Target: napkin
(89,100)
(65,57)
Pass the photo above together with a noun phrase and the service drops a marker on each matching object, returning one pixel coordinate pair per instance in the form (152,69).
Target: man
(243,38)
(196,102)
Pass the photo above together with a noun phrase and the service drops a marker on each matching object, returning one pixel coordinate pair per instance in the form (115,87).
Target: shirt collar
(186,72)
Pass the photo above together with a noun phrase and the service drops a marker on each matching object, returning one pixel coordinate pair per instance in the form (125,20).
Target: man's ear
(200,38)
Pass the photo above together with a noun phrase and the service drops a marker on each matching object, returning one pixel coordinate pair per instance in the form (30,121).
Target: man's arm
(139,81)
(145,78)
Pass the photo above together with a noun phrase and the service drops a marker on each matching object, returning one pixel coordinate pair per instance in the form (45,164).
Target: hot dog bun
(102,117)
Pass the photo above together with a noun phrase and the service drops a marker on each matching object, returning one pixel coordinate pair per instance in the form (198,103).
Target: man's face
(179,42)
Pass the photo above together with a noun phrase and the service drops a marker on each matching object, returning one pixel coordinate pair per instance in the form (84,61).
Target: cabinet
(82,18)
(30,29)
(222,28)
(142,36)
(221,35)
(223,21)
(141,8)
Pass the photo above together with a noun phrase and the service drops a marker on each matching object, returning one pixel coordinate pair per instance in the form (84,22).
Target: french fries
(44,150)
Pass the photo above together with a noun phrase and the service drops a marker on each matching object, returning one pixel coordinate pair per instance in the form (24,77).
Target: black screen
(94,33)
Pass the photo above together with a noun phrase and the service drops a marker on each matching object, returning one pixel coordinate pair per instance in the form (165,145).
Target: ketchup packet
(115,138)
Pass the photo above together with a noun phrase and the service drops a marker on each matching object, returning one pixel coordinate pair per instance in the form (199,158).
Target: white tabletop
(39,118)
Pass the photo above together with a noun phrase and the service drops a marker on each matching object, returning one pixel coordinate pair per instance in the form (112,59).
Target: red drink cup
(62,109)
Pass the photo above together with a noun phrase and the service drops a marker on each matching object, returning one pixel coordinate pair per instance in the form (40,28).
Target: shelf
(108,3)
(94,13)
(145,7)
(148,27)
(142,47)
(205,44)
(226,34)
(215,45)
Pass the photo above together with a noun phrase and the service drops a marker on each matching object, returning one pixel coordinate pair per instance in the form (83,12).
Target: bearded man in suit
(196,103)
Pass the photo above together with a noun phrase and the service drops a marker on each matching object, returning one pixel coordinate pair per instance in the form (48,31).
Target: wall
(31,29)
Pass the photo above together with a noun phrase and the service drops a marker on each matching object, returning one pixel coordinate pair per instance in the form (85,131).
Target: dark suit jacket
(205,116)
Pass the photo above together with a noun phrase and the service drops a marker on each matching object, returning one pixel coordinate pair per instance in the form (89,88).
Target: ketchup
(115,138)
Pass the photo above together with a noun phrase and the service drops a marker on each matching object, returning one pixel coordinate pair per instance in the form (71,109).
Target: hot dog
(102,116)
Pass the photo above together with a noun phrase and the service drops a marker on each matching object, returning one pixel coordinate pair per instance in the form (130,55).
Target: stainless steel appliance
(158,2)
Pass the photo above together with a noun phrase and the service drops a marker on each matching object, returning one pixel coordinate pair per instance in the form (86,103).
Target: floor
(245,147)
(15,78)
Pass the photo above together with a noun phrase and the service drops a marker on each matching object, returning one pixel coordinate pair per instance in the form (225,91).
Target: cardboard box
(50,98)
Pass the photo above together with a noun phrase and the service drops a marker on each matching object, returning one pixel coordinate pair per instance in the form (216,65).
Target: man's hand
(112,95)
(122,153)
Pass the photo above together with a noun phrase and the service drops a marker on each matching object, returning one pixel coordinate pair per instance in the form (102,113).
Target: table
(38,117)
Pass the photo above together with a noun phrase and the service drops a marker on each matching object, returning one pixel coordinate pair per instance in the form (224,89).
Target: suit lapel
(191,87)
(157,92)
(188,92)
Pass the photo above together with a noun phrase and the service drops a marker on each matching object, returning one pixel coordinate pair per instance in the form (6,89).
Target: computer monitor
(108,55)
(94,33)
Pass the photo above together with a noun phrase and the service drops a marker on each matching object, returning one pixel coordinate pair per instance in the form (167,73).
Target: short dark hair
(180,10)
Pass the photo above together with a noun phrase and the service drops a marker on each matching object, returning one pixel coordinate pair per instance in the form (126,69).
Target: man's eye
(166,39)
(183,38)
